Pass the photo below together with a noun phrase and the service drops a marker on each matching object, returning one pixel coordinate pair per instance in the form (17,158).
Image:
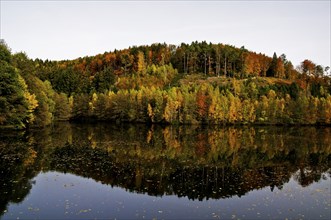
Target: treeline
(202,104)
(196,83)
(210,59)
(197,57)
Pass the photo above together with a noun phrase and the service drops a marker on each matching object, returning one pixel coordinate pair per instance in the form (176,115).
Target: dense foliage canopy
(160,83)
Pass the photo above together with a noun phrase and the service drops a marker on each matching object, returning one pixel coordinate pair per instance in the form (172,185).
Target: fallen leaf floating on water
(84,211)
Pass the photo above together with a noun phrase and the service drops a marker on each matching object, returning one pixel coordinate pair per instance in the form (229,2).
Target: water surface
(76,171)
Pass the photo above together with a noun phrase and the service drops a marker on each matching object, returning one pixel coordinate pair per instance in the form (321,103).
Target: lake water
(102,171)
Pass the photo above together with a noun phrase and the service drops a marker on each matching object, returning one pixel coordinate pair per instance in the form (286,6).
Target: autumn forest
(197,83)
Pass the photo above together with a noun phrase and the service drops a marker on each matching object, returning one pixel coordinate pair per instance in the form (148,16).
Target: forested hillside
(160,83)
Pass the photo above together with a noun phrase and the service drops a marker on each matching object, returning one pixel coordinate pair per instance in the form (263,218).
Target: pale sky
(59,30)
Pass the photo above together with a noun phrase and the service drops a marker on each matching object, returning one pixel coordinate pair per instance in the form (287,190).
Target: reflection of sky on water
(56,195)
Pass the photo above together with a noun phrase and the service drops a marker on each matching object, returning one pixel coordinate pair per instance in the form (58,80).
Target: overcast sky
(66,30)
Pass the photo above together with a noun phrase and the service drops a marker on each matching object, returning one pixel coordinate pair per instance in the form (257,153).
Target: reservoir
(109,171)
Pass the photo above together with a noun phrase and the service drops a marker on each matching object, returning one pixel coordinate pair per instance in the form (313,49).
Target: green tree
(189,108)
(5,54)
(62,108)
(104,80)
(16,103)
(272,71)
(43,91)
(80,107)
(70,81)
(46,105)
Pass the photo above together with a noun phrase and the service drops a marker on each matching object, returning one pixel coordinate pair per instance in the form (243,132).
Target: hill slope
(196,83)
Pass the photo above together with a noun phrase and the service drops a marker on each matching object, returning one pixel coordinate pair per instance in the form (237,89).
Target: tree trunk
(225,66)
(205,64)
(184,63)
(218,65)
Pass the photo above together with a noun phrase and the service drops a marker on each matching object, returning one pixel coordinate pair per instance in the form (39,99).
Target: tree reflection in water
(197,162)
